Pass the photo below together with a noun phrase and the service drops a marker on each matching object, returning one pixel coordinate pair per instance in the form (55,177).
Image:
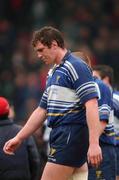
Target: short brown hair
(46,35)
(105,70)
(83,56)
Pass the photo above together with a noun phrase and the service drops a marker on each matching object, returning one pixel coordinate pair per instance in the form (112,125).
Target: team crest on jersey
(52,151)
(57,79)
(98,174)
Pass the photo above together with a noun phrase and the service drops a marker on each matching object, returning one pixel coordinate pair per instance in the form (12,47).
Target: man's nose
(39,55)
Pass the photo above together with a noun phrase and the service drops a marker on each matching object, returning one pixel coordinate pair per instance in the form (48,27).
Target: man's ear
(106,80)
(54,43)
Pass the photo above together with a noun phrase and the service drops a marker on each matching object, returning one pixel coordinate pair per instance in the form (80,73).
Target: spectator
(24,164)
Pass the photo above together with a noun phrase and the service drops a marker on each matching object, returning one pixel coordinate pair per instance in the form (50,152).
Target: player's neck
(60,55)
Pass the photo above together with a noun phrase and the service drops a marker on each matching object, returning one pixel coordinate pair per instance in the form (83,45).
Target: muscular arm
(34,122)
(93,122)
(95,125)
(95,130)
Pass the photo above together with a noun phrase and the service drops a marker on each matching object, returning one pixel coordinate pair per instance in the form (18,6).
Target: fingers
(95,156)
(95,161)
(11,146)
(8,148)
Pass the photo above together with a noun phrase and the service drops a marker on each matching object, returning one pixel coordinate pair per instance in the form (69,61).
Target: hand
(11,145)
(94,155)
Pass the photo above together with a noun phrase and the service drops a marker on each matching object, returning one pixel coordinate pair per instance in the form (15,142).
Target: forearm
(93,122)
(94,154)
(34,122)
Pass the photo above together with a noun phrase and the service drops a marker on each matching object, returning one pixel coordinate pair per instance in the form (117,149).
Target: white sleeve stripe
(86,88)
(77,76)
(86,84)
(86,92)
(72,70)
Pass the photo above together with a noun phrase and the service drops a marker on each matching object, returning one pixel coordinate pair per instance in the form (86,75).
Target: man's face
(96,74)
(46,54)
(104,79)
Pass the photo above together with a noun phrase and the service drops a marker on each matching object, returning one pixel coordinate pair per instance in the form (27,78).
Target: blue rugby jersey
(69,86)
(116,114)
(105,104)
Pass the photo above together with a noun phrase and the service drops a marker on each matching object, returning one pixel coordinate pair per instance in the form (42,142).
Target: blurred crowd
(91,26)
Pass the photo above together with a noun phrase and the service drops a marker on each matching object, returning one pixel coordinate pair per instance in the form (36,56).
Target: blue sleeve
(105,103)
(84,83)
(43,102)
(116,104)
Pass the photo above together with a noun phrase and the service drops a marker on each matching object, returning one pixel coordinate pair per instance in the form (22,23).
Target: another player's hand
(94,155)
(11,145)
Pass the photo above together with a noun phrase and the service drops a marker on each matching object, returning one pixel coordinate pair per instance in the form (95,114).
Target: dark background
(89,25)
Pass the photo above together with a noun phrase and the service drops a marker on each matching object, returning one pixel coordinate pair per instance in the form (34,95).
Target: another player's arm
(103,126)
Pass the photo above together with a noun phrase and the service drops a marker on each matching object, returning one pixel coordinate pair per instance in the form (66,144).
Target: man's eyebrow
(39,49)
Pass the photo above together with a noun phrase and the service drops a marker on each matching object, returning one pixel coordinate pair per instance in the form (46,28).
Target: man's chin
(46,62)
